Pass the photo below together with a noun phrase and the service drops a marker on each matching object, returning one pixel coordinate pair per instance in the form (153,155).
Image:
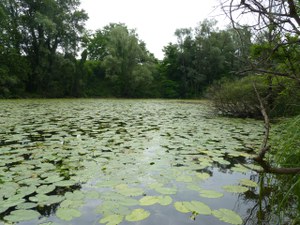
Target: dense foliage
(41,43)
(40,50)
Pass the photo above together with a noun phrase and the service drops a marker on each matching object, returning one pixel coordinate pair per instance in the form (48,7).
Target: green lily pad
(137,215)
(44,189)
(155,185)
(26,190)
(203,176)
(185,179)
(112,219)
(128,191)
(42,199)
(239,168)
(67,214)
(92,195)
(65,183)
(194,187)
(166,191)
(26,205)
(193,206)
(71,203)
(111,207)
(198,207)
(148,200)
(210,194)
(248,183)
(235,188)
(228,216)
(22,215)
(181,207)
(164,200)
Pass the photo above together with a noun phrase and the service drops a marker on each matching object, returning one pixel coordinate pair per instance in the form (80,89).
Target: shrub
(281,96)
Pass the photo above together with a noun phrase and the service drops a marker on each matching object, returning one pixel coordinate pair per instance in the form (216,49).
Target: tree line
(46,51)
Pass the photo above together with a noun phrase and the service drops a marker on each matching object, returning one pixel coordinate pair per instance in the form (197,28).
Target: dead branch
(260,158)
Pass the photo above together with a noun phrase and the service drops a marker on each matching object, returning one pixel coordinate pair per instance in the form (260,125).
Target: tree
(41,29)
(275,54)
(124,57)
(200,56)
(13,66)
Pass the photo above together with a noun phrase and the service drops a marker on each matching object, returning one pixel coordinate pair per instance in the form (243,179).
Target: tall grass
(285,144)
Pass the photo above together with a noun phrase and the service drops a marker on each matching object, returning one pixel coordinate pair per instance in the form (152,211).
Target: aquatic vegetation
(121,161)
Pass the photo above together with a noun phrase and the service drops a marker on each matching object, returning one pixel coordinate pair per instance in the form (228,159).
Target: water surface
(98,158)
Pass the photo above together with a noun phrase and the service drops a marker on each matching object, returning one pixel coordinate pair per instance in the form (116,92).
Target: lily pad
(181,207)
(193,207)
(27,190)
(248,183)
(128,191)
(137,215)
(148,200)
(44,189)
(65,183)
(203,176)
(235,188)
(112,219)
(22,215)
(198,207)
(228,216)
(26,205)
(183,178)
(210,194)
(92,195)
(67,214)
(166,191)
(164,200)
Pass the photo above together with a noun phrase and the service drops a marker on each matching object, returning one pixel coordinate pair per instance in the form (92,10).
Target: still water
(91,161)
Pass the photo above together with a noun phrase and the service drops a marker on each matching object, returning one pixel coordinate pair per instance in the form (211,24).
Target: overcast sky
(154,20)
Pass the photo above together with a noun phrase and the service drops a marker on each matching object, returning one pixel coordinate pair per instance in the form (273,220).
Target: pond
(105,161)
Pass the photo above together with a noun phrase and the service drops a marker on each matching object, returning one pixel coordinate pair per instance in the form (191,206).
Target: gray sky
(154,20)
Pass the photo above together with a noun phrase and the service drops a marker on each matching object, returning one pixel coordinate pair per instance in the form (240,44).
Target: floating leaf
(239,168)
(181,207)
(65,183)
(127,191)
(92,195)
(155,185)
(112,219)
(148,200)
(235,188)
(210,194)
(183,178)
(22,215)
(166,191)
(26,190)
(194,187)
(67,214)
(228,216)
(137,215)
(198,207)
(248,183)
(203,176)
(193,206)
(44,189)
(111,207)
(26,205)
(164,200)
(71,203)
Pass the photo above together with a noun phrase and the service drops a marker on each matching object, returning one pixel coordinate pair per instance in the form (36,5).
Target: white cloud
(155,20)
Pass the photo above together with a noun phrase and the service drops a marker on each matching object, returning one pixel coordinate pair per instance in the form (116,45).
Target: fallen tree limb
(260,158)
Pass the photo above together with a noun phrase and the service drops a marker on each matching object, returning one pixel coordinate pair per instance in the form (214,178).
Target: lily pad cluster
(123,157)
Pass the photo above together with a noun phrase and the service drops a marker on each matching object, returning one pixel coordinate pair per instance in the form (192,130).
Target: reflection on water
(101,153)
